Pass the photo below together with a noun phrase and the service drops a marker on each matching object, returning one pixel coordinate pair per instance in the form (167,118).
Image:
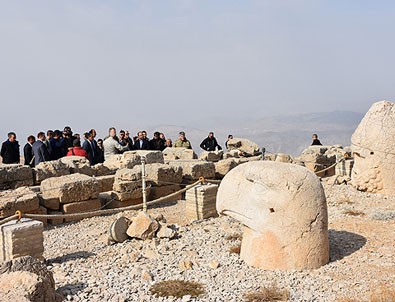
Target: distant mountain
(289,134)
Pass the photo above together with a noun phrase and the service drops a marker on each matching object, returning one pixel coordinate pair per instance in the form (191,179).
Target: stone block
(127,160)
(49,203)
(134,194)
(48,169)
(106,182)
(22,199)
(222,167)
(15,176)
(163,175)
(158,192)
(212,156)
(126,186)
(81,207)
(194,169)
(200,202)
(178,153)
(70,188)
(151,157)
(78,164)
(101,170)
(21,239)
(55,221)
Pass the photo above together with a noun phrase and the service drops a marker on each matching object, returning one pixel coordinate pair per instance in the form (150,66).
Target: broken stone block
(222,167)
(22,199)
(70,188)
(48,169)
(178,153)
(200,202)
(15,176)
(78,164)
(212,156)
(143,227)
(194,169)
(158,192)
(245,146)
(163,175)
(106,182)
(21,238)
(80,207)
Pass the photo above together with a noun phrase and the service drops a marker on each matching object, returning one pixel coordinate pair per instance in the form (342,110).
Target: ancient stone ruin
(284,209)
(373,147)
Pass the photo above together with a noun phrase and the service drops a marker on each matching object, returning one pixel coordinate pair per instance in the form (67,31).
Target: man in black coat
(90,146)
(157,143)
(40,150)
(28,151)
(141,143)
(210,143)
(10,150)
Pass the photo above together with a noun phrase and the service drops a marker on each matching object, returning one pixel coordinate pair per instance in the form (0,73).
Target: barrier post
(143,178)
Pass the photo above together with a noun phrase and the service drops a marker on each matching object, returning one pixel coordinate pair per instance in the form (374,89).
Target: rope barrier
(330,167)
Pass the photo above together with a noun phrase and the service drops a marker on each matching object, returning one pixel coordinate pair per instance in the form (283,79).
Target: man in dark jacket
(10,150)
(40,151)
(141,143)
(90,146)
(157,143)
(316,141)
(210,143)
(58,146)
(28,151)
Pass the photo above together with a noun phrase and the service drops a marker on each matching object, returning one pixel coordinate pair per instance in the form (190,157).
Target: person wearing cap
(210,143)
(182,142)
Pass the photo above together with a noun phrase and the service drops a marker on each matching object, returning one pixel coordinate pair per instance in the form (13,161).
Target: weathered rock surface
(158,192)
(194,169)
(143,227)
(163,175)
(212,156)
(246,146)
(126,160)
(70,188)
(106,182)
(284,209)
(48,169)
(373,147)
(27,279)
(151,157)
(78,164)
(223,167)
(179,153)
(80,207)
(15,176)
(23,199)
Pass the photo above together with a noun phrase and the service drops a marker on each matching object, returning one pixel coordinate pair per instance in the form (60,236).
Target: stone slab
(22,199)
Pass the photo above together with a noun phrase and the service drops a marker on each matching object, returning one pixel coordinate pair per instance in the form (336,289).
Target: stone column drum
(283,208)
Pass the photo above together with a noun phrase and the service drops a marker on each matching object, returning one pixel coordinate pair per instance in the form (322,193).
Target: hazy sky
(130,63)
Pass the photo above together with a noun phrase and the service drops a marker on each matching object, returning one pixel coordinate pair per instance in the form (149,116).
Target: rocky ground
(87,268)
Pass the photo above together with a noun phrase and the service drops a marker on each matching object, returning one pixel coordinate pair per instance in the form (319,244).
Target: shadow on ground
(343,244)
(70,257)
(71,289)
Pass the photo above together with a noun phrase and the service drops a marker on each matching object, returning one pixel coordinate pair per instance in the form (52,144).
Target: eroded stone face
(284,209)
(373,147)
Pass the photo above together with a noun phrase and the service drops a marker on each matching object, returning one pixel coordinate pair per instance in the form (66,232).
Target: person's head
(162,136)
(86,135)
(122,134)
(140,135)
(76,143)
(77,135)
(169,143)
(49,134)
(144,134)
(31,139)
(57,134)
(112,132)
(211,134)
(93,133)
(12,137)
(182,135)
(41,136)
(315,136)
(156,135)
(100,142)
(230,136)
(126,134)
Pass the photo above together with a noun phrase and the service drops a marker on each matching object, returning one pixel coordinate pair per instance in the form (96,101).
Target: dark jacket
(58,148)
(209,144)
(157,144)
(99,155)
(316,142)
(28,155)
(91,148)
(10,152)
(145,145)
(40,152)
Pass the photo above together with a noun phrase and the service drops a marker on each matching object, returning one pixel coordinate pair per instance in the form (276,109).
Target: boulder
(246,146)
(143,227)
(70,188)
(178,153)
(165,231)
(283,158)
(49,169)
(212,156)
(194,169)
(27,279)
(163,175)
(23,199)
(223,167)
(78,164)
(284,209)
(118,229)
(317,158)
(15,176)
(373,148)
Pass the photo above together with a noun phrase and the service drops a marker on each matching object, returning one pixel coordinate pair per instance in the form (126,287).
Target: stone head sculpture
(373,146)
(283,208)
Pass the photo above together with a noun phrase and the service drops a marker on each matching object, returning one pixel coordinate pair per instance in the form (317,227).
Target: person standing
(157,143)
(111,144)
(210,143)
(40,151)
(142,142)
(316,141)
(100,152)
(182,141)
(230,136)
(28,151)
(10,150)
(90,147)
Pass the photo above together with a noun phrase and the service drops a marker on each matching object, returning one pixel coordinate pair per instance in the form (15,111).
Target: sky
(135,63)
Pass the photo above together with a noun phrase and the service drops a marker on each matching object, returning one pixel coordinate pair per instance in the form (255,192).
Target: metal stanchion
(143,177)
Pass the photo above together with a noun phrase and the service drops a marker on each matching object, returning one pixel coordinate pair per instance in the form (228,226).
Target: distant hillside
(288,134)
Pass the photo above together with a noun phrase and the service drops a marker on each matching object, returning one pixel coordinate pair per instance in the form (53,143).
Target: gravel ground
(87,268)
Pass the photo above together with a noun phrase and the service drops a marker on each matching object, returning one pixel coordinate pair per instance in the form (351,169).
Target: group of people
(56,144)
